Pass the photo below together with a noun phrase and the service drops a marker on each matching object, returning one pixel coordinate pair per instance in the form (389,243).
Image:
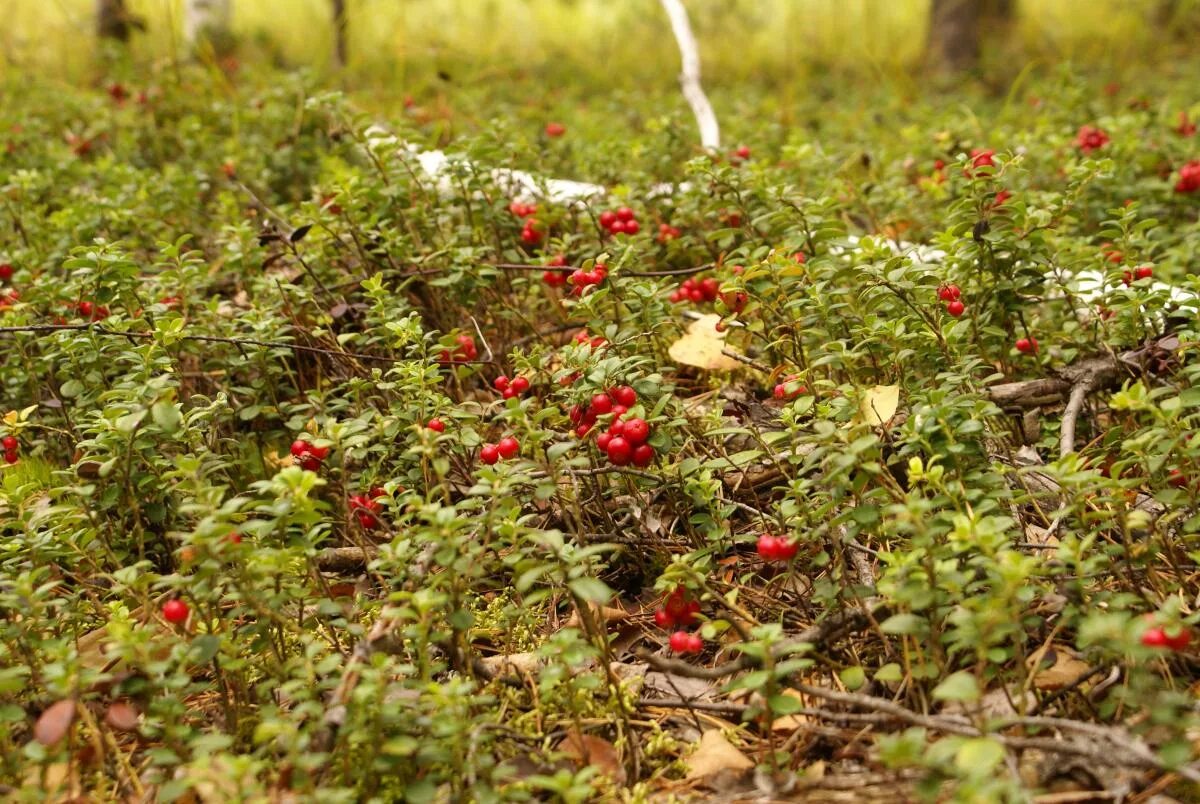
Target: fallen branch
(689,76)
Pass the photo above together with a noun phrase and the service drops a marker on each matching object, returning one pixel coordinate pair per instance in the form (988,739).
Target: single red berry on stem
(602,404)
(519,385)
(9,442)
(508,447)
(489,454)
(1027,346)
(175,611)
(436,425)
(500,383)
(663,619)
(956,308)
(624,395)
(625,214)
(643,455)
(636,431)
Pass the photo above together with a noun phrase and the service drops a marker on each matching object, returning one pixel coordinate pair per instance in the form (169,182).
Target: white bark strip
(689,77)
(201,16)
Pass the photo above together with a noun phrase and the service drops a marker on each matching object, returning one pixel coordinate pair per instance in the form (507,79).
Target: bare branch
(689,76)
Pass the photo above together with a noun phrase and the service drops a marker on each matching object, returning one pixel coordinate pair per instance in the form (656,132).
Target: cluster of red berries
(91,310)
(697,290)
(581,279)
(1141,272)
(510,388)
(464,350)
(532,232)
(365,507)
(980,158)
(1090,139)
(506,447)
(595,341)
(679,612)
(950,295)
(624,442)
(1157,637)
(1189,177)
(308,454)
(667,232)
(175,611)
(1027,346)
(1111,253)
(788,389)
(621,221)
(10,445)
(775,548)
(555,279)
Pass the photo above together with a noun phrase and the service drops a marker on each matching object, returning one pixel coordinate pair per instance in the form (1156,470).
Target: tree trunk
(339,32)
(113,20)
(957,29)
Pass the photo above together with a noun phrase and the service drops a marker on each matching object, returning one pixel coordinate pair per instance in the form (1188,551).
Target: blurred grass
(774,42)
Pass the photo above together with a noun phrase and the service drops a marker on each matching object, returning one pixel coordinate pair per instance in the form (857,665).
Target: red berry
(709,286)
(1027,346)
(489,454)
(299,448)
(555,129)
(619,451)
(949,292)
(696,294)
(681,642)
(663,619)
(1143,272)
(10,456)
(320,453)
(624,395)
(310,463)
(676,603)
(617,227)
(616,428)
(956,308)
(175,611)
(6,272)
(576,414)
(632,227)
(619,410)
(582,430)
(786,550)
(636,431)
(554,278)
(234,537)
(602,404)
(602,441)
(768,547)
(695,643)
(9,442)
(625,214)
(1180,640)
(643,455)
(508,447)
(436,425)
(85,309)
(607,219)
(743,152)
(500,383)
(1175,477)
(1154,637)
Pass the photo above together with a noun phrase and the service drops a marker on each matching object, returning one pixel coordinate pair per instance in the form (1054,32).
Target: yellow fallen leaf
(701,346)
(1065,669)
(715,754)
(878,405)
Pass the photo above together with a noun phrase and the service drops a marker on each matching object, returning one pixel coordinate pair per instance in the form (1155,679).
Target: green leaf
(978,756)
(592,590)
(903,624)
(889,673)
(166,415)
(960,686)
(853,677)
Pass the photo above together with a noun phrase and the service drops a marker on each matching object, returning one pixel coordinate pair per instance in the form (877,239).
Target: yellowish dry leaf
(1066,669)
(701,346)
(715,754)
(878,405)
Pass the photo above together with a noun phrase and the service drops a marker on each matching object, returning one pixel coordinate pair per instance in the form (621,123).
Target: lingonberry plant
(327,477)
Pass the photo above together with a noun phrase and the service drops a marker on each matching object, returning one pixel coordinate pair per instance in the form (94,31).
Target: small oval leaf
(55,722)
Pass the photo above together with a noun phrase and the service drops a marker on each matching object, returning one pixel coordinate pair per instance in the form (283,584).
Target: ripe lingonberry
(742,152)
(956,308)
(602,404)
(949,293)
(619,450)
(9,442)
(6,272)
(602,441)
(519,385)
(663,619)
(310,463)
(636,431)
(175,611)
(1143,272)
(500,383)
(436,425)
(555,129)
(624,395)
(489,454)
(1027,346)
(643,455)
(508,447)
(607,219)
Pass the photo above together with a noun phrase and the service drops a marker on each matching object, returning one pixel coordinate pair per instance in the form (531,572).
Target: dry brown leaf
(879,404)
(55,722)
(511,663)
(122,716)
(586,749)
(701,346)
(715,755)
(669,685)
(1065,669)
(606,614)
